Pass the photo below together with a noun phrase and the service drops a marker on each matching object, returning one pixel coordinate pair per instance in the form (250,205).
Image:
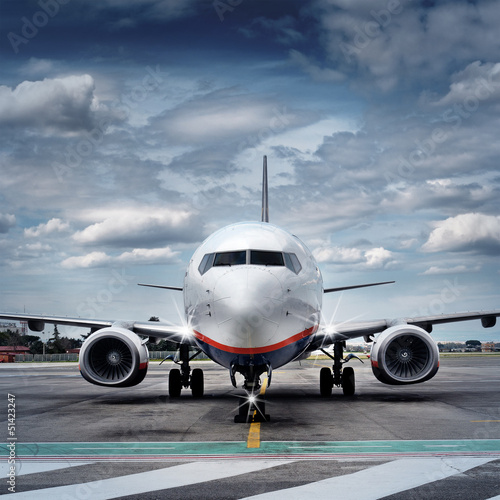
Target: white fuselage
(252,295)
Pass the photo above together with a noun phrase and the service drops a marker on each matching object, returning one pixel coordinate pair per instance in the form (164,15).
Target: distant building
(488,346)
(22,328)
(8,352)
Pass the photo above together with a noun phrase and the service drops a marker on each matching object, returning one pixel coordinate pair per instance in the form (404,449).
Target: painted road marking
(445,445)
(23,468)
(156,448)
(349,446)
(145,482)
(253,440)
(190,450)
(379,481)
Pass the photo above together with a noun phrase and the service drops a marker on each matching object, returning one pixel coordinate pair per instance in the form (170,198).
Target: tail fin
(265,200)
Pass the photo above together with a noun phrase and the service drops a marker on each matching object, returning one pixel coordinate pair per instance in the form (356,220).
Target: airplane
(252,298)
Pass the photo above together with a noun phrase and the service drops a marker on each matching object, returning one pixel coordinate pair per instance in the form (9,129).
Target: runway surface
(440,439)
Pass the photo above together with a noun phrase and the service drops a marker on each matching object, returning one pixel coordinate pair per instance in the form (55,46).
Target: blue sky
(133,129)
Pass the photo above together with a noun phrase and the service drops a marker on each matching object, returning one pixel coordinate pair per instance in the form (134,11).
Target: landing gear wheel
(174,383)
(325,382)
(260,415)
(247,409)
(244,415)
(348,384)
(197,383)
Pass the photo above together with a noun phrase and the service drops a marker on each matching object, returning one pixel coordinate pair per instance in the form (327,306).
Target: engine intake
(114,357)
(404,354)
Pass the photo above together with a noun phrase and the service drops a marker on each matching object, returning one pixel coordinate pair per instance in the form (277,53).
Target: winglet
(265,200)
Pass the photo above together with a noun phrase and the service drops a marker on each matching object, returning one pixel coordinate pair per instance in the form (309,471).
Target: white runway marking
(23,467)
(379,481)
(135,484)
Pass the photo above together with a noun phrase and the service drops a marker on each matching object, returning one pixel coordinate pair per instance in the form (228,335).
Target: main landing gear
(179,378)
(341,377)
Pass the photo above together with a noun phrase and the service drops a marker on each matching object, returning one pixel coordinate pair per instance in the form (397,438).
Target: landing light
(186,331)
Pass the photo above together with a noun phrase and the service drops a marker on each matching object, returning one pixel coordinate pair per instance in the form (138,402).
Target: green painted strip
(376,447)
(278,448)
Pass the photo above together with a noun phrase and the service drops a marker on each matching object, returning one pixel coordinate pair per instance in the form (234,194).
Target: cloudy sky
(132,129)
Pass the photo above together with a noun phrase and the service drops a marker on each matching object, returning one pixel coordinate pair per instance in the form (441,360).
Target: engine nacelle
(114,357)
(404,354)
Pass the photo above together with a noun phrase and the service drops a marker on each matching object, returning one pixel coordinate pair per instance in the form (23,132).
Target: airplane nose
(247,306)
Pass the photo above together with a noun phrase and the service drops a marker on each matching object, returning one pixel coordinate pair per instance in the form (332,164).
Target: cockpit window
(230,258)
(292,262)
(266,258)
(206,263)
(255,257)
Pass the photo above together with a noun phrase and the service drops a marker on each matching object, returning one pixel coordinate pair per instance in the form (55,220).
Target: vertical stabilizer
(265,200)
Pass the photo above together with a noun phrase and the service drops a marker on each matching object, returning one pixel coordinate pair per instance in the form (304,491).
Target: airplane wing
(328,334)
(156,329)
(352,287)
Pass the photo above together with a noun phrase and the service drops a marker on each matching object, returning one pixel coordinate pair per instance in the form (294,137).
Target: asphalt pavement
(76,440)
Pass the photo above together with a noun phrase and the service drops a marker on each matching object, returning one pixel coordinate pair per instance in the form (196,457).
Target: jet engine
(404,354)
(114,357)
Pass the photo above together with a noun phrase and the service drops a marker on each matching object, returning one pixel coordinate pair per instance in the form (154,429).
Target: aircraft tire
(197,384)
(325,382)
(348,381)
(174,383)
(244,415)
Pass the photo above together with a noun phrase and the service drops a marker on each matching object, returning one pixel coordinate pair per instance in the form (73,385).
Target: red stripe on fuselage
(256,350)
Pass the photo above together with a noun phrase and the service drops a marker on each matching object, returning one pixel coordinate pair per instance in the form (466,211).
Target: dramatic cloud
(378,257)
(475,84)
(338,255)
(53,226)
(433,270)
(477,232)
(133,129)
(374,258)
(144,256)
(62,103)
(223,116)
(394,42)
(147,225)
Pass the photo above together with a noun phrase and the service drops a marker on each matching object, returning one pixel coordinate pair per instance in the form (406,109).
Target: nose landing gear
(252,407)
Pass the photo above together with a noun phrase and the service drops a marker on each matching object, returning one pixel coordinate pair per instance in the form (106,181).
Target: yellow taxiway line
(253,440)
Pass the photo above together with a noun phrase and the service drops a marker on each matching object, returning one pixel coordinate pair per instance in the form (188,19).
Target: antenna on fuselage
(265,200)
